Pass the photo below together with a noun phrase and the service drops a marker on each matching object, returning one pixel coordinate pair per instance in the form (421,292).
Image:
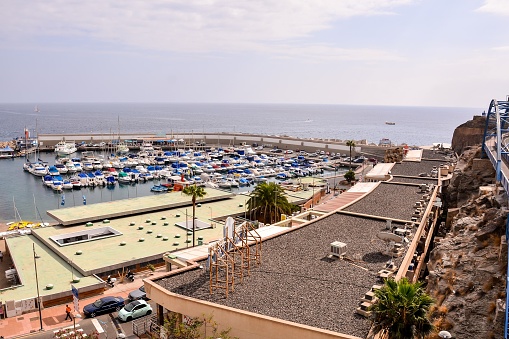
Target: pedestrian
(68,312)
(1,256)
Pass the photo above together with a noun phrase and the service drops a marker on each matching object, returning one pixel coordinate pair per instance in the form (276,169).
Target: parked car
(134,309)
(103,305)
(138,294)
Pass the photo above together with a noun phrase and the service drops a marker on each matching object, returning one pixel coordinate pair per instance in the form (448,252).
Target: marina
(90,177)
(104,238)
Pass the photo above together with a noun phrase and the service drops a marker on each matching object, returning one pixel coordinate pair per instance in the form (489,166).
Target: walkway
(53,317)
(347,198)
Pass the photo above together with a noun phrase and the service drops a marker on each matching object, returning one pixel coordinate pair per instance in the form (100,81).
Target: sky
(452,53)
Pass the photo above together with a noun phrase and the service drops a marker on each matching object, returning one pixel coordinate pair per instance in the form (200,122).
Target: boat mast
(37,140)
(16,212)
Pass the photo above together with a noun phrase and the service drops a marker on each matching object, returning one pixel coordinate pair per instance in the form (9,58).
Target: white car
(134,309)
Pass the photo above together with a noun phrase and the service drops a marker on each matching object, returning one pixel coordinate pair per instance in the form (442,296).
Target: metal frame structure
(233,257)
(496,140)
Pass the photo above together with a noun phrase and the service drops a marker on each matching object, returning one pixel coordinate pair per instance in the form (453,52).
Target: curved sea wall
(48,141)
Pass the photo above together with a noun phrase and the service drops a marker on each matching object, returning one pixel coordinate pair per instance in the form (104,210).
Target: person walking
(1,256)
(68,313)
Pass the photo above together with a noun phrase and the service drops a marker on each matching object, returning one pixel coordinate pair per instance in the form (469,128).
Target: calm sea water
(413,125)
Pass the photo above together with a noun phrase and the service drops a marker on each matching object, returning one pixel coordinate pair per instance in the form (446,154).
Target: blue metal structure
(496,140)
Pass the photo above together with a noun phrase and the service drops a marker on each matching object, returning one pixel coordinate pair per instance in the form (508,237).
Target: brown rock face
(470,174)
(468,134)
(467,268)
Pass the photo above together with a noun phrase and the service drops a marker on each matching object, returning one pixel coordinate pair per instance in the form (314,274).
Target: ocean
(24,194)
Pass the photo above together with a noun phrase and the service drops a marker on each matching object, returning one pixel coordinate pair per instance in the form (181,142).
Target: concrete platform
(122,208)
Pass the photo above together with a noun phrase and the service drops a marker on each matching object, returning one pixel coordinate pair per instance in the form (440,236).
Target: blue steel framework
(497,127)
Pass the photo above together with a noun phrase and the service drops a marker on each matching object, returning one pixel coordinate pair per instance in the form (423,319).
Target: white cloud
(500,7)
(501,48)
(325,52)
(280,27)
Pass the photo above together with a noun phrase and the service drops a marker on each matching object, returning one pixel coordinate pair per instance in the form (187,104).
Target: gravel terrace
(297,282)
(439,155)
(422,180)
(414,168)
(389,200)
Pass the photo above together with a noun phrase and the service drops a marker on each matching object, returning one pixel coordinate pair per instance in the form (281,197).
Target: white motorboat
(97,164)
(122,148)
(38,170)
(57,185)
(71,168)
(62,169)
(65,148)
(67,185)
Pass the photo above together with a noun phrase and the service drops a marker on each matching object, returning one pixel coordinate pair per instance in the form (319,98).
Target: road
(107,325)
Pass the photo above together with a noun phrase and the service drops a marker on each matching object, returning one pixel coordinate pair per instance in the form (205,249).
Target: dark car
(104,305)
(138,294)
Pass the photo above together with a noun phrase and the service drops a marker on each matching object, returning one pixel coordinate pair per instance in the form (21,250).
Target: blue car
(104,305)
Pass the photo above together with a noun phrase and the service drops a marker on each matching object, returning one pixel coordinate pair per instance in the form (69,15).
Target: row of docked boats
(213,169)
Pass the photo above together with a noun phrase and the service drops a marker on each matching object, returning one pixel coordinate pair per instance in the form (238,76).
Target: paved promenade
(53,317)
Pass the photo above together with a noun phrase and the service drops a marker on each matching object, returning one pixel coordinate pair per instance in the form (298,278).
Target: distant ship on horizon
(390,123)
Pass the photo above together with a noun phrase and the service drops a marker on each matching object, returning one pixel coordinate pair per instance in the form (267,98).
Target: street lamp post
(37,284)
(335,175)
(313,198)
(76,315)
(187,230)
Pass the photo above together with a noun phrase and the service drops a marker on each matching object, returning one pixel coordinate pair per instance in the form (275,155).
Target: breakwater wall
(48,141)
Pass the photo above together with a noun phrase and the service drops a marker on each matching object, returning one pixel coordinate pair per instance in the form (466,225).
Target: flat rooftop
(299,283)
(57,264)
(120,208)
(389,200)
(415,168)
(51,269)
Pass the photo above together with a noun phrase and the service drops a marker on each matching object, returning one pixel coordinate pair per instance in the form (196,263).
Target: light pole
(313,198)
(335,175)
(37,284)
(76,315)
(187,230)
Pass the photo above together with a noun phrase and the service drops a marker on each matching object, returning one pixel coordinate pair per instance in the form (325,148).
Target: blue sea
(26,194)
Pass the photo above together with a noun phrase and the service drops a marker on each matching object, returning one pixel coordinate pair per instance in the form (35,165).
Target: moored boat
(63,148)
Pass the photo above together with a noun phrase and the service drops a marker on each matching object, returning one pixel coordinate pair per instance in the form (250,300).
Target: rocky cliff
(468,134)
(467,267)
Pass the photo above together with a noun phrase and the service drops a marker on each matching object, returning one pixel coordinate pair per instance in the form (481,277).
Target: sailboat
(36,109)
(19,223)
(122,147)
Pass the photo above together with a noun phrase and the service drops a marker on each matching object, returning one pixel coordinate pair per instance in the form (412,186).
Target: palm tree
(402,310)
(268,202)
(349,176)
(195,192)
(350,143)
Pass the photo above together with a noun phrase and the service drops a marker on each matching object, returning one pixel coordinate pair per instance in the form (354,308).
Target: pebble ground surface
(298,282)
